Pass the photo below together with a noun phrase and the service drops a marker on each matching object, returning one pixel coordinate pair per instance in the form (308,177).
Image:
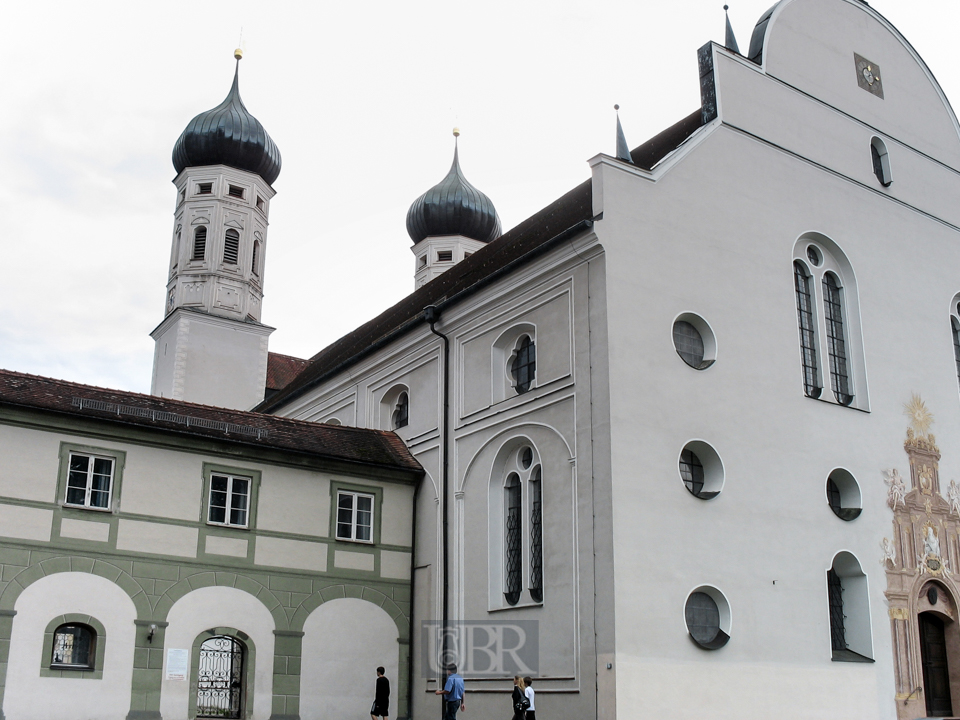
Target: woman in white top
(531,711)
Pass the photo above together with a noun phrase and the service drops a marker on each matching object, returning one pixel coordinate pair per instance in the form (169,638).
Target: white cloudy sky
(361,97)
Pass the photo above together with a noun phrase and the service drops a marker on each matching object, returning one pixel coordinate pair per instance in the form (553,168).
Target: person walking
(531,695)
(453,694)
(519,698)
(381,702)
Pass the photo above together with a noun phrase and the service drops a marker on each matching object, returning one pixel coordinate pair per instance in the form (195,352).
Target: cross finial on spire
(730,41)
(623,150)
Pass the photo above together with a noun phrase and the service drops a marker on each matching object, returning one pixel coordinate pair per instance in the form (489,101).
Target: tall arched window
(231,247)
(536,536)
(848,607)
(808,324)
(955,329)
(513,539)
(401,414)
(176,250)
(199,243)
(524,365)
(829,322)
(836,345)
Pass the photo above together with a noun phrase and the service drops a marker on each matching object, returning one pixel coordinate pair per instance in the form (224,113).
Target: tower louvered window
(536,537)
(833,314)
(199,243)
(808,349)
(231,247)
(956,343)
(255,261)
(835,593)
(513,540)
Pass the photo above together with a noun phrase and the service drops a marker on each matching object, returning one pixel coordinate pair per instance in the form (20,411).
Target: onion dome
(228,135)
(454,207)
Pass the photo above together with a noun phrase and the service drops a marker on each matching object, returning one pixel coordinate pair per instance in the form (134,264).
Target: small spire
(623,150)
(238,54)
(730,41)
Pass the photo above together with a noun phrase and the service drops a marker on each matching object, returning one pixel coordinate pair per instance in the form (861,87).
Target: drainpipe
(431,314)
(413,580)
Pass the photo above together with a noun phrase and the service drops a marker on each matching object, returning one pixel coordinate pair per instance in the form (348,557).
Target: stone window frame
(253,475)
(119,458)
(48,669)
(336,486)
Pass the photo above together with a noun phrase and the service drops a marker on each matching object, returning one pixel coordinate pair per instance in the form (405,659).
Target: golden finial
(456,132)
(238,53)
(920,417)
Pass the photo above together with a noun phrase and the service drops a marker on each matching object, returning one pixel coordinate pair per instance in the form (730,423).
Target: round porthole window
(813,255)
(843,495)
(707,615)
(701,469)
(694,341)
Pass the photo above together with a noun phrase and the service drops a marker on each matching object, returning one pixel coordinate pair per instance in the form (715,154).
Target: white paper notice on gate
(177,664)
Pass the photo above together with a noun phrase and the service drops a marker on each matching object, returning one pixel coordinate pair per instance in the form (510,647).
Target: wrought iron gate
(220,678)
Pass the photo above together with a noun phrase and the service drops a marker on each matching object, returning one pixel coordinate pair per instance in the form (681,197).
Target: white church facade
(695,421)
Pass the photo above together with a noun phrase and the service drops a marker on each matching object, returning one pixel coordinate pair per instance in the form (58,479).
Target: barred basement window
(354,516)
(513,543)
(204,188)
(833,312)
(536,537)
(231,247)
(401,414)
(229,500)
(89,482)
(74,647)
(524,366)
(199,243)
(235,191)
(808,348)
(445,256)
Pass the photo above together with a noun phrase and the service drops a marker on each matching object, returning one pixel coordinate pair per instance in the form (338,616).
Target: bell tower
(211,347)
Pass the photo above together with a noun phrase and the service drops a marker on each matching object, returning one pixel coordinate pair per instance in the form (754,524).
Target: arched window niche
(395,408)
(832,366)
(516,536)
(955,333)
(199,243)
(848,605)
(73,647)
(514,362)
(881,161)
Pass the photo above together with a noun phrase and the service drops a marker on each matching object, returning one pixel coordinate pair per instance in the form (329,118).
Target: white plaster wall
(31,697)
(344,642)
(29,461)
(178,473)
(294,501)
(212,607)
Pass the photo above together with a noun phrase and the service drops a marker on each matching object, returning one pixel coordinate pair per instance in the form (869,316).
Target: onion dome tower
(211,346)
(449,222)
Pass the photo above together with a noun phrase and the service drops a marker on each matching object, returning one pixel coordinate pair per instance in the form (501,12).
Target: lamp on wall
(153,630)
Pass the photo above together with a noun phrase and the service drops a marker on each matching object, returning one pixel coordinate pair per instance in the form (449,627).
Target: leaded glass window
(354,516)
(401,413)
(689,344)
(513,539)
(74,645)
(536,536)
(836,347)
(691,470)
(524,367)
(703,618)
(808,349)
(835,593)
(199,243)
(90,481)
(229,500)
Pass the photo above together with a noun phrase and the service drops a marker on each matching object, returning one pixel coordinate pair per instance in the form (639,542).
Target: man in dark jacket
(381,704)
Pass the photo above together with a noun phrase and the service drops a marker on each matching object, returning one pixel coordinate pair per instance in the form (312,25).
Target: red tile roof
(344,444)
(282,369)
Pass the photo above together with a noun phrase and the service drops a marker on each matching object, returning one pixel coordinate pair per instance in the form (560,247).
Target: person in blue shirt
(453,694)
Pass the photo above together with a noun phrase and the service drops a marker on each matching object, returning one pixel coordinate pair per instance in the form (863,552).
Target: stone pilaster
(6,629)
(147,670)
(287,652)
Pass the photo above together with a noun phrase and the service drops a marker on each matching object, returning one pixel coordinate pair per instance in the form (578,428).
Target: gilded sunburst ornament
(920,417)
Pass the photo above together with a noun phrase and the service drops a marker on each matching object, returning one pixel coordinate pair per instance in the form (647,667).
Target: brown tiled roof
(282,369)
(343,444)
(559,220)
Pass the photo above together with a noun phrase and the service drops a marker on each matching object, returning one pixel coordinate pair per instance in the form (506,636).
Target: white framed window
(354,516)
(89,481)
(229,502)
(514,362)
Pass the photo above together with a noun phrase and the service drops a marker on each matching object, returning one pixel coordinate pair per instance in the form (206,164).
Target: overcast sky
(361,99)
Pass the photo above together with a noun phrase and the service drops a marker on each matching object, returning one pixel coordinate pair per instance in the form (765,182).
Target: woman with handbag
(520,701)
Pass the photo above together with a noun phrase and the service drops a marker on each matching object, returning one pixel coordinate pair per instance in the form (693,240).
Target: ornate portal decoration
(889,553)
(896,489)
(930,560)
(953,497)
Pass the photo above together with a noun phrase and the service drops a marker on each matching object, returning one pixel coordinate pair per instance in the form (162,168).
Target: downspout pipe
(413,580)
(431,314)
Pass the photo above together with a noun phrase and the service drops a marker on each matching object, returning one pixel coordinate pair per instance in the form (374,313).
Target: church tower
(211,347)
(449,222)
